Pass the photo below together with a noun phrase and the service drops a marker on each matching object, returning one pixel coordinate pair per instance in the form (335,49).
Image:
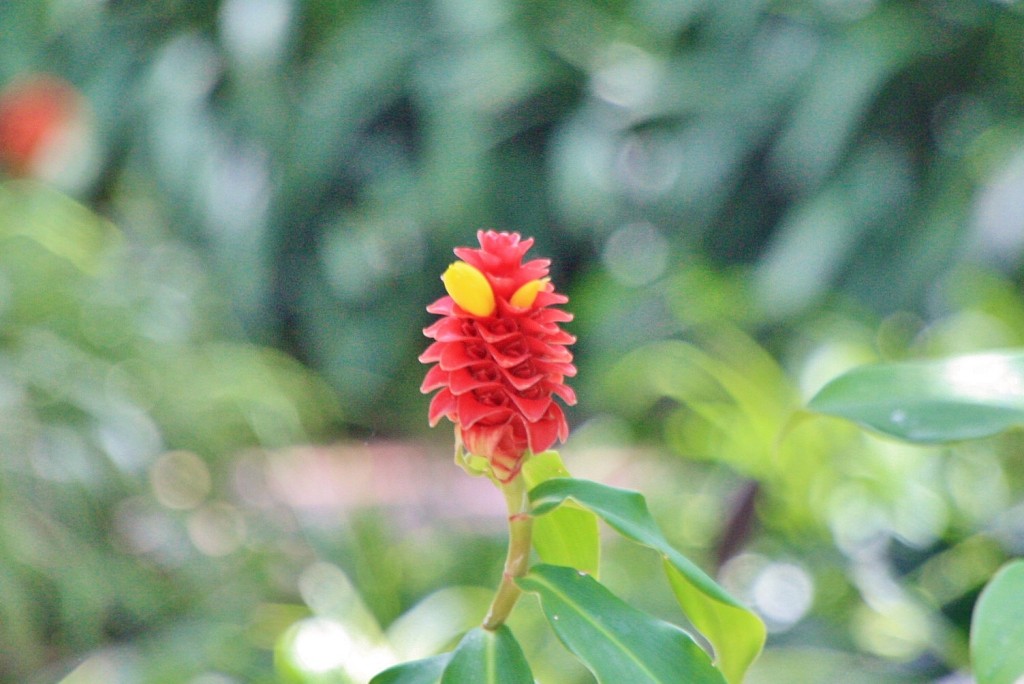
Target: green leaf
(425,671)
(59,224)
(736,634)
(617,642)
(962,397)
(437,621)
(997,628)
(486,657)
(568,536)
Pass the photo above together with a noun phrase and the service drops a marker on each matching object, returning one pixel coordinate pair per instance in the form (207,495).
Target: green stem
(520,528)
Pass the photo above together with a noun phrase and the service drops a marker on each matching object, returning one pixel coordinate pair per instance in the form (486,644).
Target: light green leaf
(997,628)
(437,621)
(962,397)
(736,634)
(568,536)
(486,657)
(617,642)
(59,224)
(426,671)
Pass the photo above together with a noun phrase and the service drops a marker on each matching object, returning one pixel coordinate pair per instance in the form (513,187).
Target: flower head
(500,356)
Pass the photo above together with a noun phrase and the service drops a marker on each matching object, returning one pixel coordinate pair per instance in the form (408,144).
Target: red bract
(500,356)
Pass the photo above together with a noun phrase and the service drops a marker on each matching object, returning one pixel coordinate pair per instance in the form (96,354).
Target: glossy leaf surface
(997,628)
(962,397)
(566,536)
(736,634)
(617,642)
(486,657)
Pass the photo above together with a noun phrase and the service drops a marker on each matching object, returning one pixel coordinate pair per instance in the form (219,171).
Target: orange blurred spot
(34,113)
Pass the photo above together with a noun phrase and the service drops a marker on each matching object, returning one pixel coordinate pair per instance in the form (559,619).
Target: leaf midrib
(490,640)
(609,635)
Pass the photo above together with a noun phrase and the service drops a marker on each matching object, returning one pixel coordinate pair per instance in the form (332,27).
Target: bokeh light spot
(217,529)
(322,645)
(180,480)
(625,76)
(636,254)
(255,31)
(783,593)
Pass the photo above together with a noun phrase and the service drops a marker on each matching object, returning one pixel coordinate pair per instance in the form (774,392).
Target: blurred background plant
(222,221)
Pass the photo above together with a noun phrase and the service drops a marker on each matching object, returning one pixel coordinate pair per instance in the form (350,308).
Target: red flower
(500,354)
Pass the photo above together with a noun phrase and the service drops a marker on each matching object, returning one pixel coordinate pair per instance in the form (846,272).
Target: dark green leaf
(963,397)
(486,657)
(426,671)
(567,536)
(997,628)
(736,633)
(616,641)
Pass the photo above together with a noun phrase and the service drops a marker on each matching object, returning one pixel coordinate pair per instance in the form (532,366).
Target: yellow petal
(469,288)
(526,295)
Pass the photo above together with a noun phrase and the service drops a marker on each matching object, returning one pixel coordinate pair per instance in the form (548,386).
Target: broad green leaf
(568,536)
(962,397)
(736,634)
(437,621)
(486,657)
(426,671)
(617,642)
(997,628)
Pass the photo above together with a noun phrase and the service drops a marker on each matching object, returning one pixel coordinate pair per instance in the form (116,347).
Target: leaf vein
(599,627)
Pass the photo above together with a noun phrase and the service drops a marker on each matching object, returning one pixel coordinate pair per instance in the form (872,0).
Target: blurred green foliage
(743,199)
(122,397)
